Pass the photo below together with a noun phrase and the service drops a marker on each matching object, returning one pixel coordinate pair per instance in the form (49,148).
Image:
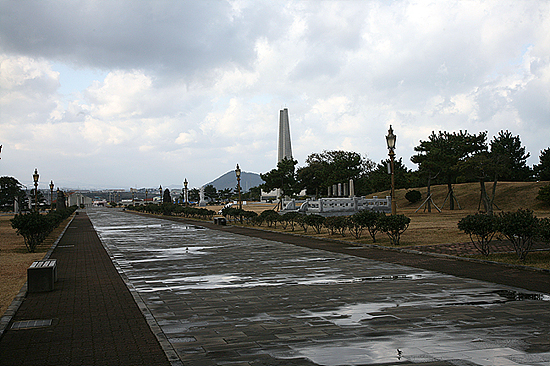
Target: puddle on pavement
(520,296)
(166,264)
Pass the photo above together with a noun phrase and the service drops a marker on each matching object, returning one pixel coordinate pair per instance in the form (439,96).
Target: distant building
(78,199)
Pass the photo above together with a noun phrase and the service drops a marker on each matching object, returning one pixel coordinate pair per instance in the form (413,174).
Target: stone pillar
(339,189)
(351,188)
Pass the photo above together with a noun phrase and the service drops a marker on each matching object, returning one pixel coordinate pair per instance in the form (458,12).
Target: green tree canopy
(444,151)
(166,198)
(380,180)
(211,193)
(11,189)
(510,155)
(283,177)
(332,167)
(542,169)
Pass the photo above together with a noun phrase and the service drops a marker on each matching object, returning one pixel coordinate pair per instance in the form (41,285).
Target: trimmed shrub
(316,222)
(481,228)
(35,227)
(544,230)
(270,217)
(413,196)
(394,226)
(368,219)
(289,219)
(520,227)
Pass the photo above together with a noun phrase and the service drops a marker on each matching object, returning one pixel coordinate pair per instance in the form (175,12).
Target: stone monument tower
(284,150)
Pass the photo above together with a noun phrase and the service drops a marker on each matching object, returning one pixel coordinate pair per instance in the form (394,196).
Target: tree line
(443,158)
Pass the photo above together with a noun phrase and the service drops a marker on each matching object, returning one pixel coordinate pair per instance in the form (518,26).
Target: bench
(42,275)
(220,220)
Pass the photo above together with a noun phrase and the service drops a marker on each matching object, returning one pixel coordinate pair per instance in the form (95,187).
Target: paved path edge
(167,347)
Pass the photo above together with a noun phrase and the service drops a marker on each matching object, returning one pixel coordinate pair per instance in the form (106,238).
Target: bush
(316,222)
(393,226)
(289,219)
(481,228)
(413,196)
(368,219)
(35,227)
(270,217)
(520,228)
(544,230)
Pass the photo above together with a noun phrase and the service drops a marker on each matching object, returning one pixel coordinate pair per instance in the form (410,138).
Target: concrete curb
(18,299)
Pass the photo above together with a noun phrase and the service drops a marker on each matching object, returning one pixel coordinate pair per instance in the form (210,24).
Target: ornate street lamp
(185,198)
(390,140)
(51,195)
(238,174)
(35,177)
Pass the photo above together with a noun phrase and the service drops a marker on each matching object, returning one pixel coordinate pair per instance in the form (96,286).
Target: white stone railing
(338,206)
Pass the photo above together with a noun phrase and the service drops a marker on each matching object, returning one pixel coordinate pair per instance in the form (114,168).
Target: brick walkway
(95,320)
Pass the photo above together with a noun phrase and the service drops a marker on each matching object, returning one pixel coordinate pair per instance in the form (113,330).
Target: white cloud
(199,85)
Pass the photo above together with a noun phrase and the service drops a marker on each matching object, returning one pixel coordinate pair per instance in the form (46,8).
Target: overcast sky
(121,94)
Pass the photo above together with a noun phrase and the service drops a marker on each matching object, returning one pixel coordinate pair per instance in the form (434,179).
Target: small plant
(316,222)
(35,227)
(270,217)
(289,219)
(300,220)
(520,227)
(336,224)
(368,219)
(394,226)
(544,230)
(413,196)
(481,228)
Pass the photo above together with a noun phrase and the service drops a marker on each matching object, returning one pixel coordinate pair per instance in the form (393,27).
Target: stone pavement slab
(221,297)
(91,317)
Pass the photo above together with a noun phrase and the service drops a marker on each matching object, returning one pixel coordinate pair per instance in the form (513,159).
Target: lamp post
(185,199)
(160,192)
(51,195)
(238,174)
(390,140)
(35,177)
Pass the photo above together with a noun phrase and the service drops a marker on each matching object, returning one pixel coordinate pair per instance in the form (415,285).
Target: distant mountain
(228,180)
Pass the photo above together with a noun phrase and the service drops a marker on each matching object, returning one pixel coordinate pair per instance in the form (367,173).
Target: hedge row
(170,209)
(521,228)
(357,224)
(35,227)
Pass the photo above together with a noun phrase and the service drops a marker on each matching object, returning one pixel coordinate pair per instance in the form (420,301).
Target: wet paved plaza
(221,298)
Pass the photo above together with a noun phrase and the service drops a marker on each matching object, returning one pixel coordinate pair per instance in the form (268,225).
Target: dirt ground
(14,259)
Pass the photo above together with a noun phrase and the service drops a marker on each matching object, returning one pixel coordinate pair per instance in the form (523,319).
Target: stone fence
(341,206)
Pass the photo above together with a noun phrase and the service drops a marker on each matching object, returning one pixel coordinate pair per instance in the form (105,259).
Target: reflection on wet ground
(222,298)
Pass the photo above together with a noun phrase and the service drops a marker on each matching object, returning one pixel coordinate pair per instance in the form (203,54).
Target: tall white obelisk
(285,149)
